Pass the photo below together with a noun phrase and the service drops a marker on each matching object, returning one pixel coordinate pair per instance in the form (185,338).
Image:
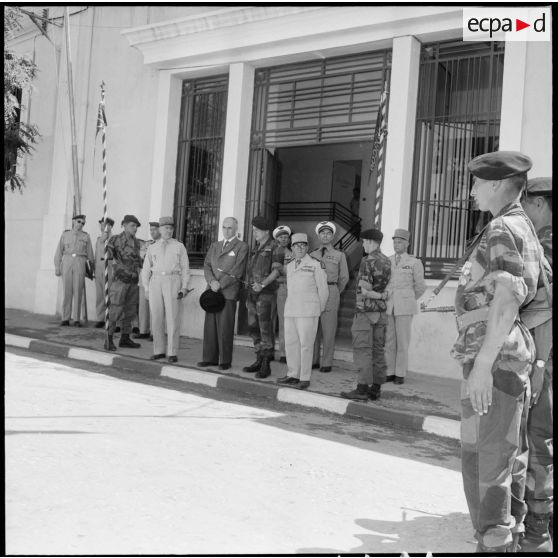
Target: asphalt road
(99,464)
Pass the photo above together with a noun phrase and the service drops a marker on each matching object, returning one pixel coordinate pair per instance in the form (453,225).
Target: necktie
(225,244)
(323,251)
(397,259)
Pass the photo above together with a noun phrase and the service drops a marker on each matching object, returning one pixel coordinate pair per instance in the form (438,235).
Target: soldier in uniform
(337,278)
(165,276)
(282,235)
(370,320)
(100,307)
(539,486)
(306,300)
(144,319)
(496,351)
(224,266)
(124,251)
(73,253)
(405,287)
(263,269)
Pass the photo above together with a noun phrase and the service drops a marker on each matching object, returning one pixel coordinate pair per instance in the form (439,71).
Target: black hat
(372,234)
(540,186)
(499,165)
(109,221)
(131,219)
(212,301)
(78,217)
(260,223)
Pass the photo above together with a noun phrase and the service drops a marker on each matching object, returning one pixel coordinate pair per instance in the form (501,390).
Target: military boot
(360,393)
(109,344)
(255,366)
(375,392)
(265,369)
(537,536)
(125,341)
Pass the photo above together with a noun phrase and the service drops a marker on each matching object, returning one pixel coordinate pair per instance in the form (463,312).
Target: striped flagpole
(101,126)
(378,156)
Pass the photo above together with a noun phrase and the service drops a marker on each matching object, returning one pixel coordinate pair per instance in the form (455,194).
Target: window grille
(200,164)
(458,118)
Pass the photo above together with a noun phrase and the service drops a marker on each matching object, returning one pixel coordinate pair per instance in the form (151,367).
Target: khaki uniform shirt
(405,286)
(73,243)
(335,265)
(166,257)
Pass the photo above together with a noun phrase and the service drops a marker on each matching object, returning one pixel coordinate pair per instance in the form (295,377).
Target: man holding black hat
(73,252)
(264,267)
(124,251)
(405,287)
(224,267)
(165,276)
(370,320)
(496,351)
(100,307)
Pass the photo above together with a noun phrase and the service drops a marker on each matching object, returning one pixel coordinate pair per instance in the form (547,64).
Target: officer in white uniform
(72,253)
(165,277)
(307,294)
(100,306)
(404,288)
(337,278)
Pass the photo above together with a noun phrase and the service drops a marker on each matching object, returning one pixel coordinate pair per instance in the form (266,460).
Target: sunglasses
(81,222)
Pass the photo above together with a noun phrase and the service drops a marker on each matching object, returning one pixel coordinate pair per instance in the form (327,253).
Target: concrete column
(513,96)
(403,92)
(237,143)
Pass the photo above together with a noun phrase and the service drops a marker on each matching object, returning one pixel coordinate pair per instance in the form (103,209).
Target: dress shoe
(283,360)
(173,359)
(360,393)
(141,336)
(77,324)
(205,363)
(285,379)
(65,323)
(117,329)
(390,378)
(158,356)
(302,385)
(325,369)
(125,341)
(225,366)
(315,365)
(399,380)
(99,325)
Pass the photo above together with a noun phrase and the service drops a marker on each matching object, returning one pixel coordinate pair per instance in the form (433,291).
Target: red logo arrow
(519,25)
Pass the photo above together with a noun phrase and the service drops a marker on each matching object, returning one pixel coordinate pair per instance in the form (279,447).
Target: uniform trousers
(123,306)
(369,335)
(327,328)
(281,300)
(218,334)
(165,307)
(144,318)
(494,455)
(300,333)
(100,306)
(261,307)
(73,281)
(398,337)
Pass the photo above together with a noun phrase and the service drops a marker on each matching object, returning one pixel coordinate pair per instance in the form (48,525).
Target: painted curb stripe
(309,399)
(442,427)
(386,416)
(91,356)
(48,348)
(17,341)
(189,375)
(247,386)
(149,368)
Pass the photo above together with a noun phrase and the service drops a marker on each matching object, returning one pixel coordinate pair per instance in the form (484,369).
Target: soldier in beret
(264,267)
(124,251)
(370,320)
(73,252)
(496,351)
(539,486)
(106,232)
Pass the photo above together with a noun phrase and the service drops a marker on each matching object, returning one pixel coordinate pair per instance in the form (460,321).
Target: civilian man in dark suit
(224,266)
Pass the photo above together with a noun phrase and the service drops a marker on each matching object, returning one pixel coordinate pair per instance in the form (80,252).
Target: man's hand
(257,287)
(214,285)
(479,387)
(183,293)
(537,379)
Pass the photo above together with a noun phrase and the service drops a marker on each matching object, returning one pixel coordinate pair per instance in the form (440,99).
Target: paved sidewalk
(423,400)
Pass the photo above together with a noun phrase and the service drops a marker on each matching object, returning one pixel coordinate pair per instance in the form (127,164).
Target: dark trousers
(123,306)
(261,308)
(369,337)
(218,334)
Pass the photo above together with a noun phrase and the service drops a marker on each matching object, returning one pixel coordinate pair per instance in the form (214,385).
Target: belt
(167,273)
(332,282)
(76,255)
(472,317)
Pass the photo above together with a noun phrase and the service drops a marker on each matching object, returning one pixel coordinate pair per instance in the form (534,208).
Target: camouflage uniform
(124,251)
(370,320)
(494,444)
(261,306)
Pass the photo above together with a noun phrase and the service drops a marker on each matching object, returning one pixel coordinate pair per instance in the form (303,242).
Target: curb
(430,424)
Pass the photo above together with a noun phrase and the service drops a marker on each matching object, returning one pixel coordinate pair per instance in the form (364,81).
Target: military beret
(499,165)
(372,234)
(281,229)
(299,237)
(78,217)
(212,301)
(109,221)
(260,223)
(540,186)
(402,233)
(154,223)
(166,221)
(325,225)
(131,219)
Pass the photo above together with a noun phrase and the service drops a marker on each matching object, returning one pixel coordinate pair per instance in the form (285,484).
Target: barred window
(200,164)
(458,118)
